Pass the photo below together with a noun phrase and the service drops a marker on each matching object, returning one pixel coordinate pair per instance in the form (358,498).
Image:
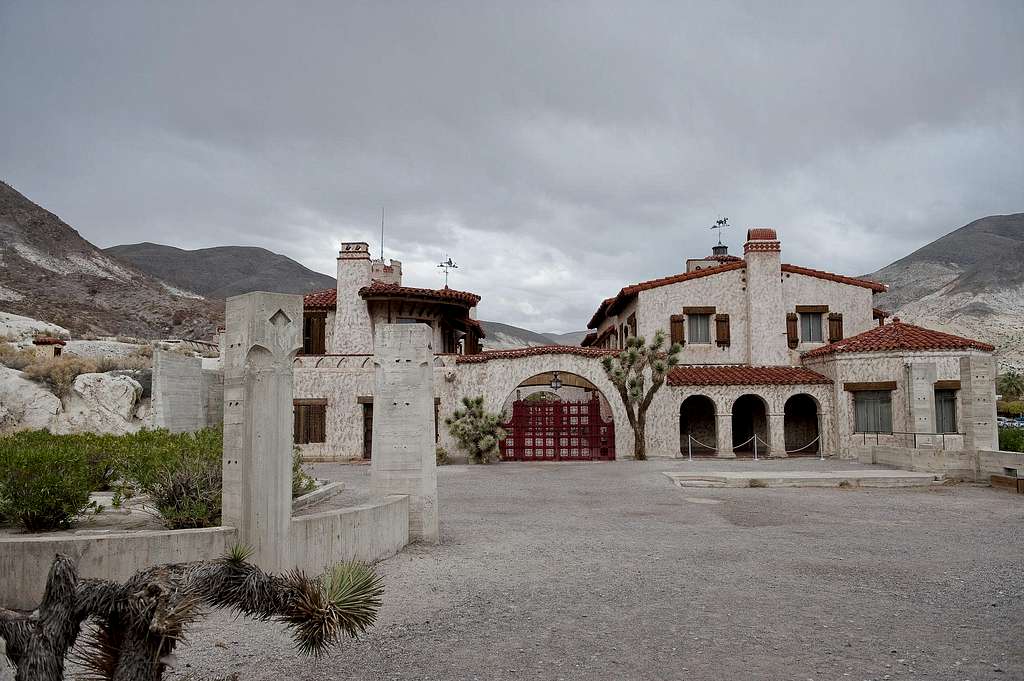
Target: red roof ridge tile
(516,353)
(743,374)
(841,278)
(898,335)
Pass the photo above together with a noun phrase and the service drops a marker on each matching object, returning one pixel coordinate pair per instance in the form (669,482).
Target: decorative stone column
(404,460)
(264,332)
(978,402)
(777,436)
(921,378)
(723,432)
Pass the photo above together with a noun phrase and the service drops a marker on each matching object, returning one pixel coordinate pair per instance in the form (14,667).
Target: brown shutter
(300,425)
(835,327)
(722,330)
(677,327)
(792,330)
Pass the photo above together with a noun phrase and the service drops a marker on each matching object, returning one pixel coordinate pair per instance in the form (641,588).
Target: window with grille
(873,411)
(698,328)
(945,411)
(810,327)
(310,421)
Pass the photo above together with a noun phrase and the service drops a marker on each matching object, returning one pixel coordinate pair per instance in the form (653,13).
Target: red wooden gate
(558,431)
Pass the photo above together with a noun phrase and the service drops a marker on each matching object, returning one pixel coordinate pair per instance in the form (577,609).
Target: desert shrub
(441,456)
(13,357)
(181,473)
(1011,439)
(1010,408)
(127,363)
(476,430)
(302,482)
(144,351)
(59,373)
(45,481)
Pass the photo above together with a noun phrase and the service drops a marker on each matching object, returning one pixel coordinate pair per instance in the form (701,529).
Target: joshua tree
(476,430)
(1010,384)
(628,373)
(136,625)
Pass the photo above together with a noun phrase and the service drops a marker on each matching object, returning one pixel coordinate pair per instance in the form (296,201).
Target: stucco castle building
(777,358)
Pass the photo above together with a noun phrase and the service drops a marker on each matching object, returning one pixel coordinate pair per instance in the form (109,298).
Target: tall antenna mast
(382,233)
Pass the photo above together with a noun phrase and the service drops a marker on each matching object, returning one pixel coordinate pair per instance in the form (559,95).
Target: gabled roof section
(842,279)
(534,351)
(626,294)
(899,336)
(589,339)
(744,375)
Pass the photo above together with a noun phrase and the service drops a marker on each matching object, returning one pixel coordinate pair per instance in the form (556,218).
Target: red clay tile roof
(761,234)
(611,304)
(327,299)
(589,339)
(324,299)
(48,340)
(744,375)
(380,289)
(531,352)
(899,336)
(853,281)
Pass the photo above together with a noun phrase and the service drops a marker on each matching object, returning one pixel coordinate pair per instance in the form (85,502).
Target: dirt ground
(608,571)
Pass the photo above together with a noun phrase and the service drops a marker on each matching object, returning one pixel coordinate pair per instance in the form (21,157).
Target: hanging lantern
(556,382)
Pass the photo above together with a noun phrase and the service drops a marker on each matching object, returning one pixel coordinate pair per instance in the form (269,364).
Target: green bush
(1011,439)
(45,481)
(441,456)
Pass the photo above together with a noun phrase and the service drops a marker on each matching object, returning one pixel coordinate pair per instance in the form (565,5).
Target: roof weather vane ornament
(446,265)
(720,224)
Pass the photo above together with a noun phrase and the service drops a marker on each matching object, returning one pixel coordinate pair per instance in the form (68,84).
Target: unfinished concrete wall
(403,424)
(25,560)
(179,393)
(366,533)
(213,387)
(960,464)
(264,333)
(978,401)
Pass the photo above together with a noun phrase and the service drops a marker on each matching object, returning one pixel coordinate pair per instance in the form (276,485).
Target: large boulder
(101,403)
(25,404)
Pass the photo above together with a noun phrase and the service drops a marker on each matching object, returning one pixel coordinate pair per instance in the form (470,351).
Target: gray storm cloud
(556,151)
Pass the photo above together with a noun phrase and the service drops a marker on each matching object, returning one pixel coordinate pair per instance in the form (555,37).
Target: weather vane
(447,265)
(720,224)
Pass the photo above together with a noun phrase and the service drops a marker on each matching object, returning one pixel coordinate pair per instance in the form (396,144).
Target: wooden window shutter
(722,330)
(792,329)
(677,328)
(835,327)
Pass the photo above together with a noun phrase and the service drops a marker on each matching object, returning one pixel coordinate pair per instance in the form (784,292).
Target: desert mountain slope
(48,271)
(969,282)
(222,271)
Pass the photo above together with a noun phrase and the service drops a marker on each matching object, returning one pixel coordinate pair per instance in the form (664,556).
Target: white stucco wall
(853,302)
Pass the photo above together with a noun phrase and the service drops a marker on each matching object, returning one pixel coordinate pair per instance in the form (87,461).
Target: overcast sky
(555,151)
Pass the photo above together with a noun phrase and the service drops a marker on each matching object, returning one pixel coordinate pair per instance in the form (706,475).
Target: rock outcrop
(24,404)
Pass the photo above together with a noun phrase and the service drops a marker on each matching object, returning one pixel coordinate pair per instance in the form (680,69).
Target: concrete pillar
(353,330)
(921,377)
(777,435)
(723,431)
(978,402)
(403,424)
(264,332)
(766,318)
(826,436)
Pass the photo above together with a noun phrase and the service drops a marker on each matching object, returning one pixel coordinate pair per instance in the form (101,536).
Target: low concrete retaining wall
(25,561)
(964,464)
(368,533)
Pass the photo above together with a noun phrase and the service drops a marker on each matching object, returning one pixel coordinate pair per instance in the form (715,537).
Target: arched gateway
(572,421)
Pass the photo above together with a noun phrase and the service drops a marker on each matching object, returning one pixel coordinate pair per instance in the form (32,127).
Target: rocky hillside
(223,271)
(969,282)
(48,271)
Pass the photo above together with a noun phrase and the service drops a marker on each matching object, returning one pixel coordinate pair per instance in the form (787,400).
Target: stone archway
(750,418)
(801,426)
(698,434)
(571,422)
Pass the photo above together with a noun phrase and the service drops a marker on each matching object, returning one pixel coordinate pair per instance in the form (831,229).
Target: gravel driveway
(608,571)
